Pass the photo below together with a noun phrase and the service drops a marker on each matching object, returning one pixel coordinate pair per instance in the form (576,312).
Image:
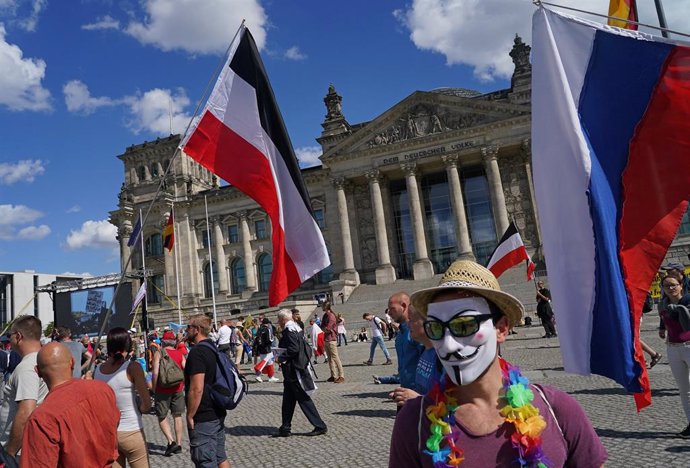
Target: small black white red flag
(509,252)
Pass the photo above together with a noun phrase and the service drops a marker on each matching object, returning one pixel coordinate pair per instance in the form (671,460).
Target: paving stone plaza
(360,417)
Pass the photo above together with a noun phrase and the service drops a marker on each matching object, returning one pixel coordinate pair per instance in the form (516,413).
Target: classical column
(249,271)
(385,273)
(194,269)
(349,272)
(123,234)
(422,267)
(456,199)
(498,201)
(526,152)
(220,259)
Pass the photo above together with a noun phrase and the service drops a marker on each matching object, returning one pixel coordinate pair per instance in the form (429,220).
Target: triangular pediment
(426,115)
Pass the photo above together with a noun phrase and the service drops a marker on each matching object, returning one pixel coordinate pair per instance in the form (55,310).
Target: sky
(82,80)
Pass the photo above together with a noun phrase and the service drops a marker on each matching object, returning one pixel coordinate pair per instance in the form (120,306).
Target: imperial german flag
(242,138)
(169,234)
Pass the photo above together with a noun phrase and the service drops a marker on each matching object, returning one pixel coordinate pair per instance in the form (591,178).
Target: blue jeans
(378,340)
(207,443)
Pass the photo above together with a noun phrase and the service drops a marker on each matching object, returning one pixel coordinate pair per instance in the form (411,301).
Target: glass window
(684,224)
(154,170)
(204,239)
(142,173)
(260,229)
(440,223)
(325,276)
(155,289)
(265,270)
(318,216)
(154,246)
(238,279)
(480,218)
(403,228)
(233,234)
(207,279)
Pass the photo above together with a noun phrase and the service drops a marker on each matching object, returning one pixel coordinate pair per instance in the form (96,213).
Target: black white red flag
(509,252)
(241,137)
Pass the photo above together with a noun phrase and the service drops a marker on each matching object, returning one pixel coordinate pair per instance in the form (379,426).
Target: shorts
(173,402)
(207,444)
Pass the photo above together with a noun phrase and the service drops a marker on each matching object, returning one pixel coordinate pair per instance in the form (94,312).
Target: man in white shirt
(24,390)
(224,335)
(378,329)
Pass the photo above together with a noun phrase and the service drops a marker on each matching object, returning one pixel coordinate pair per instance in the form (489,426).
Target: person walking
(298,382)
(378,331)
(330,330)
(674,310)
(266,357)
(342,332)
(169,399)
(127,380)
(544,311)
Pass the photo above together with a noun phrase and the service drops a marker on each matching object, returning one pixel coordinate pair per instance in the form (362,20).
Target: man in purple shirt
(483,411)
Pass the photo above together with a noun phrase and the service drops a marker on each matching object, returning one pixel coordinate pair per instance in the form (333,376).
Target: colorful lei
(519,411)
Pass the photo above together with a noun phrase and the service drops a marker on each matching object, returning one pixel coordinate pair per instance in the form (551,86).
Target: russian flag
(509,252)
(242,138)
(611,159)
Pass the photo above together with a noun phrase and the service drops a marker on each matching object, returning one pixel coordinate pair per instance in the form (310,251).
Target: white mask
(466,358)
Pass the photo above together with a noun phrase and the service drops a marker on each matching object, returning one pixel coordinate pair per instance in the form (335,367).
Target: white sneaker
(274,379)
(258,378)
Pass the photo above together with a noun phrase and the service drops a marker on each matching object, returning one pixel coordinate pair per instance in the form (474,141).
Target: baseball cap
(168,335)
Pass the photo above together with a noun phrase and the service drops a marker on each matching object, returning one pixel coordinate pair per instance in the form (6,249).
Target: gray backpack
(169,373)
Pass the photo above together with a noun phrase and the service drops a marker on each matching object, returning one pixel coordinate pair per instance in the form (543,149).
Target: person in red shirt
(49,437)
(169,399)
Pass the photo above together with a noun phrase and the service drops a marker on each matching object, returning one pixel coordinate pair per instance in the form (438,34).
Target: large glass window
(233,234)
(207,279)
(204,239)
(238,278)
(265,269)
(403,228)
(154,246)
(480,218)
(318,216)
(440,225)
(155,289)
(260,229)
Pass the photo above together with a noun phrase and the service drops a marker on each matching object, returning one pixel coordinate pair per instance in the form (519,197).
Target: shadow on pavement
(266,392)
(378,395)
(656,392)
(369,413)
(635,435)
(678,449)
(251,430)
(551,369)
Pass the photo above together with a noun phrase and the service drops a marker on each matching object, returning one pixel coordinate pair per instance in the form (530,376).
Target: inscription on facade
(438,150)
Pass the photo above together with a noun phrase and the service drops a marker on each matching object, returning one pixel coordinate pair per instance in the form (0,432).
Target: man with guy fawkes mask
(483,411)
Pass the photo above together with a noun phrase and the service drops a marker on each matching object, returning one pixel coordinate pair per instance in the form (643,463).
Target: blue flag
(135,233)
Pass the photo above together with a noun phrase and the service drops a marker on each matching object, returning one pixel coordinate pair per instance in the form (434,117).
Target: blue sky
(82,80)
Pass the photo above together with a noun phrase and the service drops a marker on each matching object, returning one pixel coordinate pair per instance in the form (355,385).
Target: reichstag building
(436,177)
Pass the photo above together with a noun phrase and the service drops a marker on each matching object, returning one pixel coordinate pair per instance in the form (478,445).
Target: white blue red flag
(242,138)
(611,159)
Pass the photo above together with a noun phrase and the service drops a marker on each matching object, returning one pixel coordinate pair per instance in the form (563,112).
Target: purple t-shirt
(577,446)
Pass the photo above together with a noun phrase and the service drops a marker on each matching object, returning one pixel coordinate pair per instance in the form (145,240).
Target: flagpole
(144,303)
(662,17)
(211,265)
(177,263)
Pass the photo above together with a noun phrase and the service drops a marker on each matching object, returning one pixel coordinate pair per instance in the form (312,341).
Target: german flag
(624,9)
(169,234)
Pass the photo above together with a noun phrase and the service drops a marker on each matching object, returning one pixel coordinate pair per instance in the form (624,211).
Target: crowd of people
(458,400)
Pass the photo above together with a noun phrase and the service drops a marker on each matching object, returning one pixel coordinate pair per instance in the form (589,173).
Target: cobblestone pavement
(360,418)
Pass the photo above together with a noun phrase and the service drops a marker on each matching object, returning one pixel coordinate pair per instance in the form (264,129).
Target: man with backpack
(378,331)
(205,420)
(298,379)
(168,384)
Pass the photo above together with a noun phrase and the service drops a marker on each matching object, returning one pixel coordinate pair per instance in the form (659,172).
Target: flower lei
(518,411)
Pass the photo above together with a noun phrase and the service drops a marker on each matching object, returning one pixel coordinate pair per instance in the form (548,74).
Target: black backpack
(229,386)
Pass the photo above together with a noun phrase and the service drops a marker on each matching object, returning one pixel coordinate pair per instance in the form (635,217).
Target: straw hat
(465,275)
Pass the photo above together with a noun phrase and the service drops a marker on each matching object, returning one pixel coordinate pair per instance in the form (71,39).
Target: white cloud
(13,216)
(78,98)
(69,273)
(22,13)
(20,80)
(104,22)
(197,26)
(480,33)
(157,110)
(308,156)
(93,234)
(33,232)
(74,209)
(25,170)
(31,21)
(293,53)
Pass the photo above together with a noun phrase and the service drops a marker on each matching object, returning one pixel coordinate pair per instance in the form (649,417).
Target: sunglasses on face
(460,326)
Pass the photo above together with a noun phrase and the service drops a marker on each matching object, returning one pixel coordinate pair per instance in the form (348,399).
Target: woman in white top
(126,378)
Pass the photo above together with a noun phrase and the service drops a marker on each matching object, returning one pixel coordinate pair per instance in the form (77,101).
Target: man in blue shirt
(406,348)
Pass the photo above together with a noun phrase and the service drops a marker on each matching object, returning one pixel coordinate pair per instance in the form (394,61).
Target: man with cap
(169,399)
(482,411)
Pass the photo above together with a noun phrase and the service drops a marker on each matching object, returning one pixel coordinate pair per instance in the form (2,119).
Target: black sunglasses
(459,326)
